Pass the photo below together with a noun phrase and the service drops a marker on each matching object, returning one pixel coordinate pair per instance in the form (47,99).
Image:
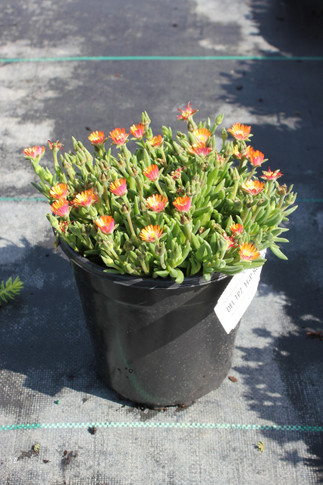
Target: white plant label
(236,298)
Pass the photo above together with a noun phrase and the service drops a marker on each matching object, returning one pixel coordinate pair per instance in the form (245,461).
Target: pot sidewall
(156,343)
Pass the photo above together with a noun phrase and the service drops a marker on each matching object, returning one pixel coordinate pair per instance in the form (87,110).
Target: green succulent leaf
(290,211)
(163,241)
(277,252)
(194,266)
(161,273)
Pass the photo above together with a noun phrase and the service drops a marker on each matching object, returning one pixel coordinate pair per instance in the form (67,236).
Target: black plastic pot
(156,343)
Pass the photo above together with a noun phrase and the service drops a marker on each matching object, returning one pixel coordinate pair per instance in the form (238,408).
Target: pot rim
(130,280)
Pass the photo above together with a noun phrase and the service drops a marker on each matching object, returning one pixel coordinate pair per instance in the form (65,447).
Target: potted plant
(155,227)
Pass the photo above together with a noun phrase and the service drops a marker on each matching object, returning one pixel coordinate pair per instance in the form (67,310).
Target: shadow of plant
(42,334)
(285,104)
(292,26)
(283,370)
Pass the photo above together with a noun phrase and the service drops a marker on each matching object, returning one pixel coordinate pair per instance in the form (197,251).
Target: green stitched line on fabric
(23,199)
(161,58)
(161,425)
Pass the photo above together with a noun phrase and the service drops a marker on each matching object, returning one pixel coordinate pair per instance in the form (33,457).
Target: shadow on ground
(43,333)
(288,96)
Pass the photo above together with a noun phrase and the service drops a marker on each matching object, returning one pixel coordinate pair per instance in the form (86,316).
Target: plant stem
(255,214)
(281,202)
(162,260)
(188,232)
(56,165)
(144,266)
(131,226)
(158,187)
(163,155)
(114,254)
(235,189)
(138,182)
(251,174)
(244,216)
(106,198)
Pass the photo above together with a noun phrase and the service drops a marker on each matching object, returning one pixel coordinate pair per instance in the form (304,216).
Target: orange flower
(150,233)
(253,187)
(105,224)
(256,157)
(156,141)
(270,175)
(60,207)
(202,135)
(236,229)
(58,191)
(34,152)
(85,198)
(182,204)
(152,172)
(185,114)
(248,252)
(156,202)
(200,150)
(119,136)
(239,131)
(97,137)
(118,187)
(138,130)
